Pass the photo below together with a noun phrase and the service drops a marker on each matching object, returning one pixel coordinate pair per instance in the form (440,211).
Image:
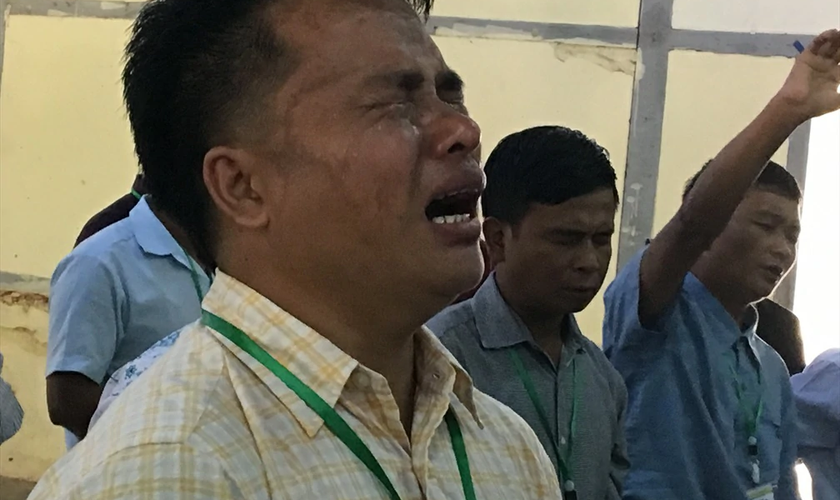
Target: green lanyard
(563,463)
(331,418)
(194,276)
(751,416)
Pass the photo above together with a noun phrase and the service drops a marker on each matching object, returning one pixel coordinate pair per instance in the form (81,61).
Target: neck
(726,294)
(547,329)
(378,336)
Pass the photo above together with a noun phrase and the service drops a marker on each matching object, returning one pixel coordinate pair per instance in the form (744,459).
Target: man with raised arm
(710,412)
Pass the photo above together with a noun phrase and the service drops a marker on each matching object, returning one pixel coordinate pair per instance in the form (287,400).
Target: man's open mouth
(453,208)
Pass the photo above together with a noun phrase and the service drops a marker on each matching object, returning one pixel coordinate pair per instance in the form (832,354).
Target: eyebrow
(410,81)
(776,218)
(449,81)
(770,215)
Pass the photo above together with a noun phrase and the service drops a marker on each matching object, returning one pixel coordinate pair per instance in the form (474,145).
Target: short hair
(196,75)
(774,178)
(545,165)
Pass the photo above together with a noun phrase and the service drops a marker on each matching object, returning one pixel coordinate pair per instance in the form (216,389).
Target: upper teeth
(451,219)
(455,193)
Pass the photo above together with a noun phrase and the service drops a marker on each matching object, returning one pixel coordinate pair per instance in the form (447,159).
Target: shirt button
(562,440)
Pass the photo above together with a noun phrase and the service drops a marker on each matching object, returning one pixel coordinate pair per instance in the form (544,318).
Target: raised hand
(812,87)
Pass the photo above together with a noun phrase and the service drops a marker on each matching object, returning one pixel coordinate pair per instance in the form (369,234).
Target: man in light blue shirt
(817,394)
(112,297)
(710,413)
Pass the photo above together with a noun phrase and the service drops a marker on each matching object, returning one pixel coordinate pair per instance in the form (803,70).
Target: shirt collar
(312,358)
(499,326)
(723,338)
(751,319)
(151,234)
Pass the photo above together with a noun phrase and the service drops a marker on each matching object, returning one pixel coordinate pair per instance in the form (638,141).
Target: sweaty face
(758,247)
(559,254)
(378,186)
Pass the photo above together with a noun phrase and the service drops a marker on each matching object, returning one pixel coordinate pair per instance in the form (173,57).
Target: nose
(784,251)
(587,261)
(453,133)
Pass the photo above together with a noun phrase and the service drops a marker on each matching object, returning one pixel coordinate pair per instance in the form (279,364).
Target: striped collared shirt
(208,421)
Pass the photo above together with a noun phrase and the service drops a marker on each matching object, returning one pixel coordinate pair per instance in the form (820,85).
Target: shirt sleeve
(622,326)
(85,321)
(619,461)
(158,471)
(787,487)
(817,394)
(11,413)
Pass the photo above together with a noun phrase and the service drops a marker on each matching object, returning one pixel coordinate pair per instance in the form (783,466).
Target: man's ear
(233,178)
(494,234)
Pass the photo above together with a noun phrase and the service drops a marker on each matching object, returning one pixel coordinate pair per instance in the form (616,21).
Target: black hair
(197,73)
(774,178)
(547,165)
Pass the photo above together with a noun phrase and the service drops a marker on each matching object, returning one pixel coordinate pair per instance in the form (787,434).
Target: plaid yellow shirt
(207,421)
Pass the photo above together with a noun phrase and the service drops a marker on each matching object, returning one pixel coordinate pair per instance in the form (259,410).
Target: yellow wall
(65,149)
(595,12)
(710,98)
(65,152)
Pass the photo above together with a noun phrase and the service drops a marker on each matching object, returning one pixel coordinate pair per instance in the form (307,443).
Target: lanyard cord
(750,414)
(332,420)
(751,417)
(194,276)
(563,463)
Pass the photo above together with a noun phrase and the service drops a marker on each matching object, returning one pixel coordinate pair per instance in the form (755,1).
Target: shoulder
(115,212)
(605,369)
(101,251)
(130,371)
(600,361)
(824,371)
(167,404)
(153,470)
(182,407)
(771,361)
(455,318)
(104,242)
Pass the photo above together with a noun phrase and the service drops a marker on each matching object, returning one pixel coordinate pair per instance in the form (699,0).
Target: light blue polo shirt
(116,294)
(686,429)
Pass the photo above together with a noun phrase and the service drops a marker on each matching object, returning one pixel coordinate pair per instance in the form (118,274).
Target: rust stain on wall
(25,300)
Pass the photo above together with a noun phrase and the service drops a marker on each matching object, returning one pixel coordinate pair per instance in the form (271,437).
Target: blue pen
(798,46)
